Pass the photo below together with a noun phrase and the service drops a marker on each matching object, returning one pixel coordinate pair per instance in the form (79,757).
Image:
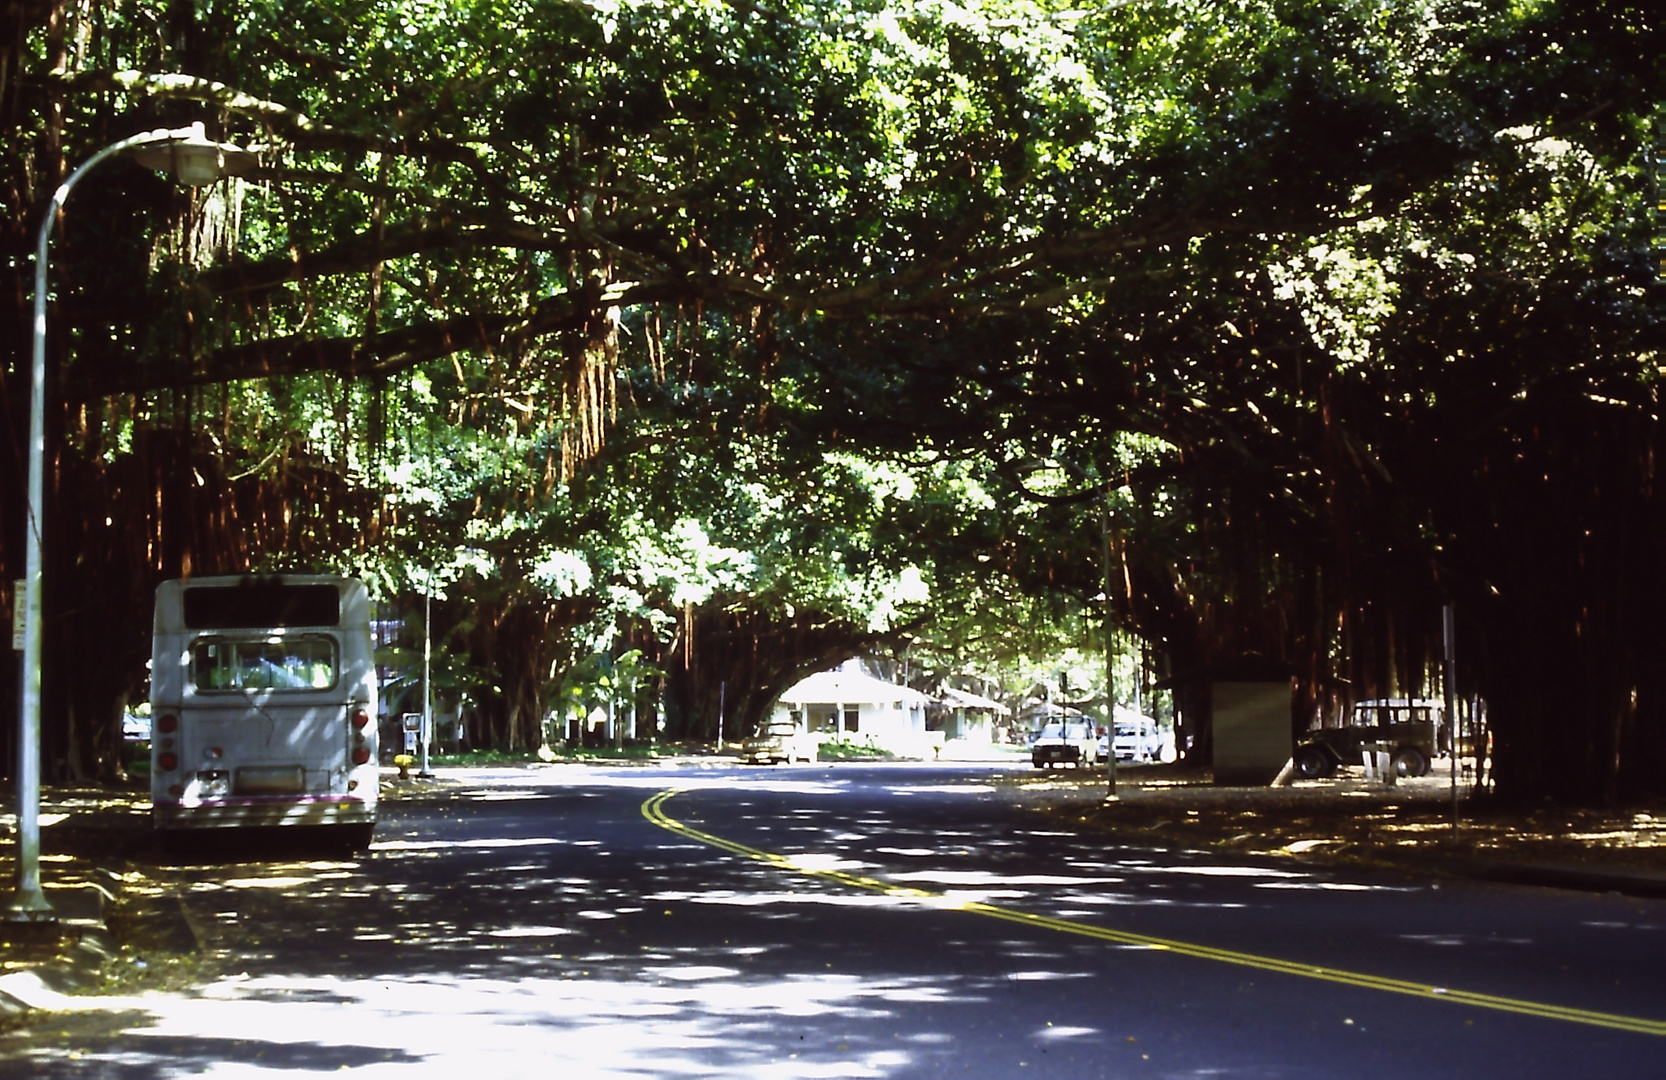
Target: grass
(829,751)
(848,751)
(632,752)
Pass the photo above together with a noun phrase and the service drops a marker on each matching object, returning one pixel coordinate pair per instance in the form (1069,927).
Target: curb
(1562,876)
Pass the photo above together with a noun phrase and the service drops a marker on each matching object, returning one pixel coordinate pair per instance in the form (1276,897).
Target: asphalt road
(855,921)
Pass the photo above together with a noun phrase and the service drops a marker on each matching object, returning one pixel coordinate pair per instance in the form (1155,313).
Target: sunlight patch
(1051,1032)
(440,845)
(944,789)
(729,898)
(1327,886)
(679,1027)
(530,931)
(818,861)
(694,973)
(987,877)
(1224,871)
(1435,939)
(267,882)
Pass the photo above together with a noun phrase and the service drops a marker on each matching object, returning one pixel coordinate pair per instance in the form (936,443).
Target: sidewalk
(85,835)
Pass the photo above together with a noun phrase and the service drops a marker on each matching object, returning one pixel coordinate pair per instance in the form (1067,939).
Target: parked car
(134,727)
(778,741)
(1065,741)
(1138,740)
(1409,728)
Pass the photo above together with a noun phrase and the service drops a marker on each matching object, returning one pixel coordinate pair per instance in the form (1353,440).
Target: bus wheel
(354,839)
(174,844)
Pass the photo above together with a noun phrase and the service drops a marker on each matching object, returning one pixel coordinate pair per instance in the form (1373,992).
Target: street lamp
(195,160)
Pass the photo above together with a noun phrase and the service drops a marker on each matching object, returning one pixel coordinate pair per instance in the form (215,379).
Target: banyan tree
(1346,313)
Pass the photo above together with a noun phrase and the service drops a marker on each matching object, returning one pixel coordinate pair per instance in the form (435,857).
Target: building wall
(889,726)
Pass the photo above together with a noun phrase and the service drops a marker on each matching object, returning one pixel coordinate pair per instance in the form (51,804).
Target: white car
(1065,742)
(778,741)
(1138,738)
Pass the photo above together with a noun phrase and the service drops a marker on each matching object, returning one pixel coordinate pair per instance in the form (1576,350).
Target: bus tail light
(167,762)
(167,723)
(361,736)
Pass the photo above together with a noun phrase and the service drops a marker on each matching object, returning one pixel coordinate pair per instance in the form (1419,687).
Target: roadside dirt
(1349,818)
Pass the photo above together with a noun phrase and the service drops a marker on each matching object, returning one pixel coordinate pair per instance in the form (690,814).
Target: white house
(967,717)
(850,705)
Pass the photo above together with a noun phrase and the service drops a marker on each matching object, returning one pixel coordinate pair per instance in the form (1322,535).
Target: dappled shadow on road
(570,934)
(543,925)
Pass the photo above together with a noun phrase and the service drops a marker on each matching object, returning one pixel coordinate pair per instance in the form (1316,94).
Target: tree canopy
(838,326)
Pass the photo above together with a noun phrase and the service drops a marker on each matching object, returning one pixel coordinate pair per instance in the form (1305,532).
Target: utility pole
(427,733)
(1110,682)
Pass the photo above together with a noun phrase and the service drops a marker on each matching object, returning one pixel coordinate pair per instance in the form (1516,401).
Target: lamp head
(193,159)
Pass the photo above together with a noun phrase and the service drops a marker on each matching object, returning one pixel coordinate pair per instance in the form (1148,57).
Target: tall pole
(191,157)
(1110,681)
(427,682)
(1448,631)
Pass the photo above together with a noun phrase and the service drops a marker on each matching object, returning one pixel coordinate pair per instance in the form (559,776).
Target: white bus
(263,705)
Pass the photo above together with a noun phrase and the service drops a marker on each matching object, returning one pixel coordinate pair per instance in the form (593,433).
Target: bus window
(300,662)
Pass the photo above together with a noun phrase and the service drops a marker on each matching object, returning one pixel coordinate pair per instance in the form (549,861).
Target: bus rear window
(301,662)
(260,604)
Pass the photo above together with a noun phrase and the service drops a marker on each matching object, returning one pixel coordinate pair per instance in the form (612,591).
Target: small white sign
(19,613)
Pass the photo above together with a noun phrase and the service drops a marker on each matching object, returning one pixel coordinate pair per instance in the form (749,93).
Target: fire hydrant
(404,761)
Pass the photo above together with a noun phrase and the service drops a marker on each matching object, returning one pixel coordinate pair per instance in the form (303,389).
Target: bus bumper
(230,813)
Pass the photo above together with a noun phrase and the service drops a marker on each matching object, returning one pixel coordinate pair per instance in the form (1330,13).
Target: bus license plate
(271,780)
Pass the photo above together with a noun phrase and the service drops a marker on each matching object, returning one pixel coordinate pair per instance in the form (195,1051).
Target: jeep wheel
(1312,763)
(1410,761)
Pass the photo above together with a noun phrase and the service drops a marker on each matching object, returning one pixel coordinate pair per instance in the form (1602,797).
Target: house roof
(849,688)
(960,699)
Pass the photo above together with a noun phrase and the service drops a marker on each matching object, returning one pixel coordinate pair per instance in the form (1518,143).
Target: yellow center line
(654,811)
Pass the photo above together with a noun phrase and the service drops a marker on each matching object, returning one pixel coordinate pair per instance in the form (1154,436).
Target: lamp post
(189,155)
(1110,664)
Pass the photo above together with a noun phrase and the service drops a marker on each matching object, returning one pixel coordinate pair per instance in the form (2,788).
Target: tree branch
(380,354)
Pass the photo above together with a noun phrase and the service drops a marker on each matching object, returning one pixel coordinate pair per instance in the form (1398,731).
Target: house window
(851,717)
